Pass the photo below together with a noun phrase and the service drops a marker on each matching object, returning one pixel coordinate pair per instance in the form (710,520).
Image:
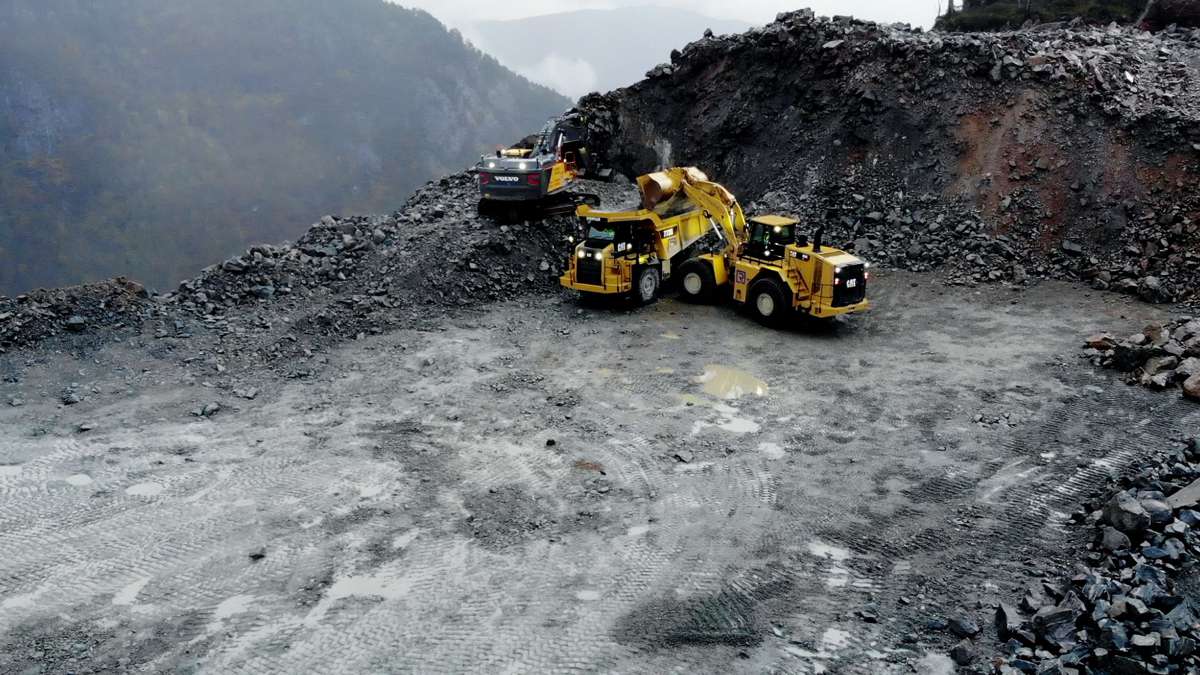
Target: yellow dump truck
(764,264)
(634,251)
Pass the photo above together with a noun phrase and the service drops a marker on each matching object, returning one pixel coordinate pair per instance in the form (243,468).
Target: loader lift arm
(719,204)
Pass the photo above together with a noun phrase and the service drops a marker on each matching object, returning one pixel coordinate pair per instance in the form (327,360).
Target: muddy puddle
(730,383)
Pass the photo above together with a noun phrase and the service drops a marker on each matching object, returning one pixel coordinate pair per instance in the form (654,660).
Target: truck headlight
(522,166)
(491,165)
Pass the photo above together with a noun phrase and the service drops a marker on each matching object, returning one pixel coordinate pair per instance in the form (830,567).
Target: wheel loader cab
(769,237)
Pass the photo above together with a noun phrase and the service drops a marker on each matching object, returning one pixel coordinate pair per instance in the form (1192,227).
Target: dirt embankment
(345,277)
(35,316)
(1057,152)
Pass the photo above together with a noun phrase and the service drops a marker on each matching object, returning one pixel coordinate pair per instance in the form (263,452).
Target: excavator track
(569,203)
(562,204)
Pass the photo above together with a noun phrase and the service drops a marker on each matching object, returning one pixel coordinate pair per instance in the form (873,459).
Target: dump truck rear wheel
(768,302)
(697,282)
(645,289)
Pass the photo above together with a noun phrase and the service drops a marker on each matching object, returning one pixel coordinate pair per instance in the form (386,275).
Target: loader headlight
(599,255)
(522,166)
(582,253)
(491,165)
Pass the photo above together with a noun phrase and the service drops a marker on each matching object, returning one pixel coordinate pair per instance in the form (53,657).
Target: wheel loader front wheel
(697,282)
(768,302)
(646,285)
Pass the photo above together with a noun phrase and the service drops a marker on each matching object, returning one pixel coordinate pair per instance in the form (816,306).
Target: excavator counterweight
(541,169)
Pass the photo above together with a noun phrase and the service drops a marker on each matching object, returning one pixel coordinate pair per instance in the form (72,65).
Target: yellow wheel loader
(693,229)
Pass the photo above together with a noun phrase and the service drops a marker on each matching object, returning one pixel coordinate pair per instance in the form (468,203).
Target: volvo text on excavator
(694,229)
(541,169)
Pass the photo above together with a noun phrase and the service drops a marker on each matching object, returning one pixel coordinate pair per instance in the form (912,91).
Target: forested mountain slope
(152,137)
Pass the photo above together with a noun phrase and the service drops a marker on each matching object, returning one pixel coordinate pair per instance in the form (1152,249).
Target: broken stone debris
(377,265)
(207,410)
(42,314)
(1161,356)
(344,278)
(1127,609)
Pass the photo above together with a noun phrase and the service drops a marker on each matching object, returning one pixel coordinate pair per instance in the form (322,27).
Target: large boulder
(1126,514)
(1191,387)
(1128,356)
(1189,367)
(1114,540)
(1159,364)
(1151,289)
(1101,342)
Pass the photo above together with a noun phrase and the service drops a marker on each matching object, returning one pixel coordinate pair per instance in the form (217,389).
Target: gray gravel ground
(541,486)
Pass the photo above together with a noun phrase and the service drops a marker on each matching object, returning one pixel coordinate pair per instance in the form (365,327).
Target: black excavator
(537,174)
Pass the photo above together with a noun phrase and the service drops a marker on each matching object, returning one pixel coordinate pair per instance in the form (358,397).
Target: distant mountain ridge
(593,49)
(152,137)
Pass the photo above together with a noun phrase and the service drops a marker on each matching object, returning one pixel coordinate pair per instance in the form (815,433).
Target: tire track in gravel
(104,543)
(743,474)
(764,545)
(649,555)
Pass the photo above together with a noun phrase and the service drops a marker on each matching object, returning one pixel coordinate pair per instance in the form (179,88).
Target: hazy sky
(459,12)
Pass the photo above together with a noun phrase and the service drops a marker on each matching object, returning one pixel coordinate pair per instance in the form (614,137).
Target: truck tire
(696,281)
(768,302)
(646,284)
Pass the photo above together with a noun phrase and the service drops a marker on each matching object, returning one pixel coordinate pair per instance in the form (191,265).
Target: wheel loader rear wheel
(768,302)
(697,281)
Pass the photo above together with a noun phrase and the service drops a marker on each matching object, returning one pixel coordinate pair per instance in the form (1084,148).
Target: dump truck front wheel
(697,281)
(645,288)
(768,302)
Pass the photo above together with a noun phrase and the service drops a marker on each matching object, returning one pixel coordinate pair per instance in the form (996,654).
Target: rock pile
(1066,151)
(356,274)
(1130,608)
(42,314)
(1159,357)
(344,277)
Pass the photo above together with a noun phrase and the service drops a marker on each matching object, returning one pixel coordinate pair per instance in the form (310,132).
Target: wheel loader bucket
(662,185)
